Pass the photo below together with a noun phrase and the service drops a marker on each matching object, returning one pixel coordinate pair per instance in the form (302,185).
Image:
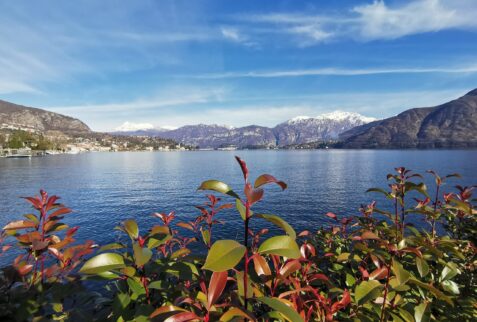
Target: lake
(104,189)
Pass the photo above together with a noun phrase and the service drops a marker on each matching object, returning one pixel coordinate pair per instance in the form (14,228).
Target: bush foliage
(372,267)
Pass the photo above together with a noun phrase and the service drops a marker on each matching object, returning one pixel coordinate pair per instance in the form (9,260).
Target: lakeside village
(16,142)
(26,143)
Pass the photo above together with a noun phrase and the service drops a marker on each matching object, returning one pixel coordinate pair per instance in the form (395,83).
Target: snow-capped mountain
(300,129)
(304,129)
(146,129)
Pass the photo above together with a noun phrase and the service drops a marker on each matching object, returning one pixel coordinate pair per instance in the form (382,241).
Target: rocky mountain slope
(15,116)
(298,130)
(450,125)
(325,127)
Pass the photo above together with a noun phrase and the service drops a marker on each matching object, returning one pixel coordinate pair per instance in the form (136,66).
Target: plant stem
(435,209)
(396,217)
(402,211)
(245,277)
(386,287)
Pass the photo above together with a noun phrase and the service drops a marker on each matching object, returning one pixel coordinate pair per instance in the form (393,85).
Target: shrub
(372,267)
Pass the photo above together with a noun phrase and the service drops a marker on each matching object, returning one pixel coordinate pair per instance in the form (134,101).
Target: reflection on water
(105,188)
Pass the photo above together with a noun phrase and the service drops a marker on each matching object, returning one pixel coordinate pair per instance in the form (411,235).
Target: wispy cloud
(11,86)
(367,22)
(167,98)
(379,21)
(338,72)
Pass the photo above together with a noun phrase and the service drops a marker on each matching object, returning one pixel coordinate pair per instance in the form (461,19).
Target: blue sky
(171,63)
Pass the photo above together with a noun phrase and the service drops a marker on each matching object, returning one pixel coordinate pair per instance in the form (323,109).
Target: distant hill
(298,130)
(15,116)
(450,125)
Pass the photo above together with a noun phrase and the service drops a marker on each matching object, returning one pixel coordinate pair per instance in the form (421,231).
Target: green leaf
(405,315)
(284,246)
(241,209)
(102,263)
(136,286)
(350,280)
(449,271)
(32,217)
(112,246)
(451,287)
(224,255)
(157,285)
(218,186)
(141,255)
(342,257)
(280,223)
(180,253)
(367,290)
(402,275)
(438,294)
(276,304)
(235,312)
(384,192)
(205,235)
(241,289)
(422,266)
(422,313)
(131,228)
(123,300)
(154,242)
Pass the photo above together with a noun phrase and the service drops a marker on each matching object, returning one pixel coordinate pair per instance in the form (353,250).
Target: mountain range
(450,125)
(299,130)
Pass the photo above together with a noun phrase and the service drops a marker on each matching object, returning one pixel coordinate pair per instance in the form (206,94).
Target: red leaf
(51,202)
(35,201)
(253,195)
(320,277)
(59,212)
(182,317)
(72,231)
(290,267)
(25,269)
(19,224)
(185,225)
(369,235)
(39,245)
(304,233)
(364,272)
(216,287)
(307,248)
(266,179)
(345,301)
(226,206)
(243,165)
(379,273)
(261,265)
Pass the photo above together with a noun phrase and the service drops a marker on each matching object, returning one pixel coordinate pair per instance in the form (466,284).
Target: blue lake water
(104,189)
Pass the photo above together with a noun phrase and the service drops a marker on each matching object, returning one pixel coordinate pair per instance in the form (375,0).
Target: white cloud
(234,35)
(376,20)
(379,21)
(231,34)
